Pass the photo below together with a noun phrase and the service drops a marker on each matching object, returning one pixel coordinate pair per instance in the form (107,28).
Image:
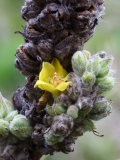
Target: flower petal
(46,72)
(63,85)
(47,87)
(61,72)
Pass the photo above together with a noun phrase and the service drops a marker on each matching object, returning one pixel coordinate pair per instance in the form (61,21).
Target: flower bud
(103,72)
(107,62)
(94,65)
(62,125)
(4,129)
(51,139)
(11,115)
(105,66)
(105,84)
(20,127)
(100,110)
(49,110)
(87,53)
(5,107)
(88,125)
(111,73)
(72,111)
(88,79)
(56,109)
(79,62)
(59,109)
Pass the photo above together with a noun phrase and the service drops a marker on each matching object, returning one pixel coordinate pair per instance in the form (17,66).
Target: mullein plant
(63,94)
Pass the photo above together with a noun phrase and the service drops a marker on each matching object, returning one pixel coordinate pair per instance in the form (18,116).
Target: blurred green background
(107,38)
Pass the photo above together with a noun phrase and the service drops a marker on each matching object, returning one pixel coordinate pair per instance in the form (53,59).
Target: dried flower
(53,78)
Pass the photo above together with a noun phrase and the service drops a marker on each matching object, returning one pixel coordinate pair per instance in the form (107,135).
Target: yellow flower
(52,78)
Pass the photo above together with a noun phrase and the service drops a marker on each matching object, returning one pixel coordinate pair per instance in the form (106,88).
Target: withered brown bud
(38,133)
(47,120)
(45,48)
(31,34)
(30,10)
(26,62)
(64,100)
(78,127)
(85,105)
(67,145)
(62,125)
(74,89)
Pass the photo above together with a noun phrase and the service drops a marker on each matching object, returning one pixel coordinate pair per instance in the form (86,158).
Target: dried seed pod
(30,10)
(79,62)
(65,49)
(31,34)
(4,129)
(72,111)
(62,125)
(52,139)
(42,3)
(101,109)
(20,127)
(26,62)
(50,16)
(45,48)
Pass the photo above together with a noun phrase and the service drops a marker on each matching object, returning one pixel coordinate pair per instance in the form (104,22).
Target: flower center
(56,80)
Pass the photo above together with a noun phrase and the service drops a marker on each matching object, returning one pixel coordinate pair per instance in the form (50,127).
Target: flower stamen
(55,80)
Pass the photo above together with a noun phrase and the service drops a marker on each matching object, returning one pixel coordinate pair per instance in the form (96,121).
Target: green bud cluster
(95,71)
(75,110)
(11,122)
